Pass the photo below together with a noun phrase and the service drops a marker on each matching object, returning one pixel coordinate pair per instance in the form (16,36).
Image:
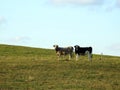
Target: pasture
(25,68)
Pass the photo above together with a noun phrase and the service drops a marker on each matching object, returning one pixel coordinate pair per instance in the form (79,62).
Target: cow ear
(74,46)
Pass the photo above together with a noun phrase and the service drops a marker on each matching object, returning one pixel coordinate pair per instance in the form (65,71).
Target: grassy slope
(24,68)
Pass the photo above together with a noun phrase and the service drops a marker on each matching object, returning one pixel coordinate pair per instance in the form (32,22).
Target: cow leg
(59,55)
(89,56)
(63,56)
(77,56)
(70,56)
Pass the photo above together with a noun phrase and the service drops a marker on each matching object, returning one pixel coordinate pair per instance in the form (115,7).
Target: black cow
(82,51)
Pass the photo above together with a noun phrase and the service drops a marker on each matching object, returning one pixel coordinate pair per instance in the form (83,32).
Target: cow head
(55,46)
(76,47)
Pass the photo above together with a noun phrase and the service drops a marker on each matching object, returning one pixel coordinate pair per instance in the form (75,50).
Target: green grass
(25,68)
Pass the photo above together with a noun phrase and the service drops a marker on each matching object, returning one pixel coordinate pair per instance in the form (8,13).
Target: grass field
(25,68)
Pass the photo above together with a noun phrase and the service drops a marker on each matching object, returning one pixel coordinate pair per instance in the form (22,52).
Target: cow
(83,51)
(63,51)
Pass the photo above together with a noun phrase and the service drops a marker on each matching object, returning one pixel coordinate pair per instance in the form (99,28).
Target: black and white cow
(82,51)
(63,51)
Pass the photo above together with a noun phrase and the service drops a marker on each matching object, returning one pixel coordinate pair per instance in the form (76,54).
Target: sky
(43,23)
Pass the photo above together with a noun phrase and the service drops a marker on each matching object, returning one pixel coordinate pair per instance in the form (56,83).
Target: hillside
(9,50)
(26,68)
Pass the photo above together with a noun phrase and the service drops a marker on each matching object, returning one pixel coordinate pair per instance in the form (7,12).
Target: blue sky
(43,23)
